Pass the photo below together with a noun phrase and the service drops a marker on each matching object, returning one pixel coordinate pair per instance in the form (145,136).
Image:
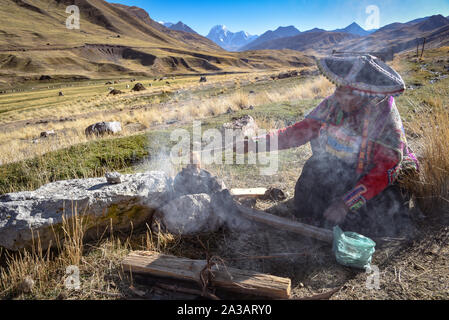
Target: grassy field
(25,115)
(424,110)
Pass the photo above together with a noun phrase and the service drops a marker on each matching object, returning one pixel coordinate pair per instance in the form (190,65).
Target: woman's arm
(295,135)
(376,180)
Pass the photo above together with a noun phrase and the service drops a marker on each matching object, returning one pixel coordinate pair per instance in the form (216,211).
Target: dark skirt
(325,179)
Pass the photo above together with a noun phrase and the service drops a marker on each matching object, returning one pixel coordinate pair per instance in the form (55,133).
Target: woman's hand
(336,213)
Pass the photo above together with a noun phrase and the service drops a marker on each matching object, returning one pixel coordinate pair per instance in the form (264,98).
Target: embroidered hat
(365,74)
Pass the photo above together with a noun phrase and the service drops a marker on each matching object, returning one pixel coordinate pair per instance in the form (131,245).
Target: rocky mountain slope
(395,37)
(354,28)
(113,40)
(270,35)
(313,40)
(180,26)
(398,37)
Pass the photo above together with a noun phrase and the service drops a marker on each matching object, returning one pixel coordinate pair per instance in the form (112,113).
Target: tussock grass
(50,271)
(46,273)
(431,187)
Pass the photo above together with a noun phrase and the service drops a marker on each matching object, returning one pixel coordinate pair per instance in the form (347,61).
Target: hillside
(180,26)
(398,37)
(174,31)
(395,38)
(113,41)
(319,41)
(280,32)
(354,28)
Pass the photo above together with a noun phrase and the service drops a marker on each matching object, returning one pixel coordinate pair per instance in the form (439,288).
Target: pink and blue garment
(373,138)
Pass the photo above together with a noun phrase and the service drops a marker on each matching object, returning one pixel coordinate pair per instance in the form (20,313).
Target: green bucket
(352,249)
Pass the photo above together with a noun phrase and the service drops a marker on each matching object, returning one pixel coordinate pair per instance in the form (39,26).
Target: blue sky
(258,16)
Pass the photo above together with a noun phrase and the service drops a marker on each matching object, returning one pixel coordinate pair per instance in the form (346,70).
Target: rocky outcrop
(134,199)
(285,75)
(186,205)
(115,92)
(191,180)
(244,126)
(138,87)
(48,133)
(102,128)
(190,214)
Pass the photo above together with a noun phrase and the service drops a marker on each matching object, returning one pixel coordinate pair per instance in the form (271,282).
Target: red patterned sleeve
(375,181)
(295,135)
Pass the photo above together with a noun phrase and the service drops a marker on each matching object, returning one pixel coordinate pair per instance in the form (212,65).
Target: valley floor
(415,269)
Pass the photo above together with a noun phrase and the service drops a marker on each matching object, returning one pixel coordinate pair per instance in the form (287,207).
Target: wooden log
(224,199)
(249,193)
(285,224)
(243,281)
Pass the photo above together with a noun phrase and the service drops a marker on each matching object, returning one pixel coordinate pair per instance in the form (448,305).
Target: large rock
(193,180)
(241,127)
(138,87)
(49,133)
(133,200)
(102,128)
(190,214)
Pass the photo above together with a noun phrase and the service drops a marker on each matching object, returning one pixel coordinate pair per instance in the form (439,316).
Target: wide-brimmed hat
(365,74)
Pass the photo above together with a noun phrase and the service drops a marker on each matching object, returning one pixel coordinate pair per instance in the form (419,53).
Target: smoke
(159,160)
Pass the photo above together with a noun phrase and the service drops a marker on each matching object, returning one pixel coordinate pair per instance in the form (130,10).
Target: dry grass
(45,267)
(431,188)
(41,273)
(17,144)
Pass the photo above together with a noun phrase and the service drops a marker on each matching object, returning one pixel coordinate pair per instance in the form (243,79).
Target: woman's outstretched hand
(336,213)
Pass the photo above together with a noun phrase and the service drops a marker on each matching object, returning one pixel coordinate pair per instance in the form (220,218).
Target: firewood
(248,193)
(232,279)
(224,199)
(286,224)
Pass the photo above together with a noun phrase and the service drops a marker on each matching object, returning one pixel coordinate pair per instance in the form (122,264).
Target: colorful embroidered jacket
(372,138)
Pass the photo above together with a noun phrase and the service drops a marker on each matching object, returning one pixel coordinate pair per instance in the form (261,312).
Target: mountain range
(225,39)
(180,26)
(393,38)
(118,40)
(352,37)
(399,37)
(354,28)
(113,40)
(229,40)
(280,32)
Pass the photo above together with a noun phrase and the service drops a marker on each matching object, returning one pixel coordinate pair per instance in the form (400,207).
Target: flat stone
(113,177)
(133,200)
